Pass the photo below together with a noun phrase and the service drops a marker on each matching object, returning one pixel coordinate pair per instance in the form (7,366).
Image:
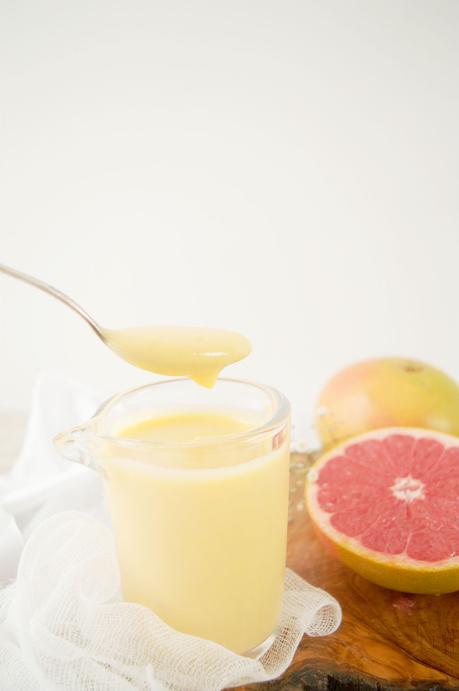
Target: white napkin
(63,624)
(41,482)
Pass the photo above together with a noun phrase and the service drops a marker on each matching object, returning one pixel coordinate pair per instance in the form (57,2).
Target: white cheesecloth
(63,624)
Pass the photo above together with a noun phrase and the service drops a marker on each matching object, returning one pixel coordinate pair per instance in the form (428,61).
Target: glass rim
(281,411)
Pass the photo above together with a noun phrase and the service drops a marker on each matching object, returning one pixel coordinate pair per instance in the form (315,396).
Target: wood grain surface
(387,640)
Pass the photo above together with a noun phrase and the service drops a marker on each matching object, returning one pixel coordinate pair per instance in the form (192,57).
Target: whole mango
(386,392)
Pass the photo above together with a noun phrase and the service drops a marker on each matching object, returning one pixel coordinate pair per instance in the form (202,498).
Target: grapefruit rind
(396,572)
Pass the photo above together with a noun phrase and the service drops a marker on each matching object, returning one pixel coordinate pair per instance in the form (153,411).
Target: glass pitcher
(200,526)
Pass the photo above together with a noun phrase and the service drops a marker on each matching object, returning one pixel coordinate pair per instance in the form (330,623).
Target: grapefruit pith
(387,503)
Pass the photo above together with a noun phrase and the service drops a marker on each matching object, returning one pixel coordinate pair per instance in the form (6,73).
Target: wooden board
(387,640)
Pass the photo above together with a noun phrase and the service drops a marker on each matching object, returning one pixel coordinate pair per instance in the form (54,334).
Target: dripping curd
(194,352)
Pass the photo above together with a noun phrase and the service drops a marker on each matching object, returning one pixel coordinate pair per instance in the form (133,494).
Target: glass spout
(77,445)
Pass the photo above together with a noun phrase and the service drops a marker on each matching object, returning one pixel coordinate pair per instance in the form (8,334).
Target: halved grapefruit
(387,503)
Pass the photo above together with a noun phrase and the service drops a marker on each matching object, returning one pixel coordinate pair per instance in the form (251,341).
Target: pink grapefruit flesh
(387,503)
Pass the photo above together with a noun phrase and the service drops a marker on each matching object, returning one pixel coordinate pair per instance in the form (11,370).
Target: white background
(288,169)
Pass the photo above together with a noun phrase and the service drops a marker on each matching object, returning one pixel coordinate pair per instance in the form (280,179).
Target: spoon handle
(59,295)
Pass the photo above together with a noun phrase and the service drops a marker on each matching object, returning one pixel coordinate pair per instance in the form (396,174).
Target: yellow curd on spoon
(196,352)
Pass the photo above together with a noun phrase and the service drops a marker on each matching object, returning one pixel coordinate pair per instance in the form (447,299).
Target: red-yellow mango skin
(386,392)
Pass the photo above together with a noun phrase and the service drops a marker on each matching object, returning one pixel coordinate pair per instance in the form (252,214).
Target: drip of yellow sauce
(194,352)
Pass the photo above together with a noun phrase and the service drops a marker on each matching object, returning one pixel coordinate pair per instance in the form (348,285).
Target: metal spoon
(59,295)
(195,352)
